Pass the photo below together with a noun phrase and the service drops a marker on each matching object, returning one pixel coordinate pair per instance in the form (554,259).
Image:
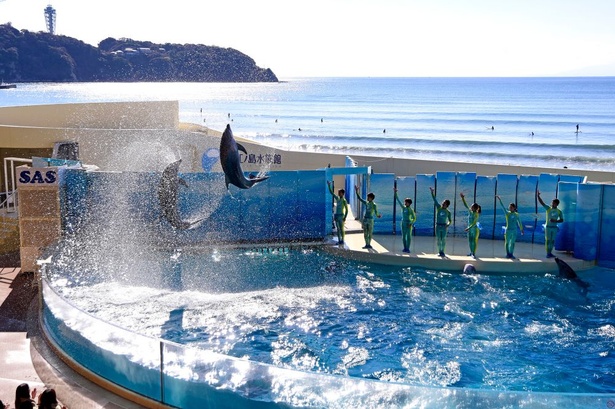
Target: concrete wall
(107,115)
(147,136)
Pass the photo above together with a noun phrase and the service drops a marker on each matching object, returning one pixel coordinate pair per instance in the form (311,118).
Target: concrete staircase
(9,232)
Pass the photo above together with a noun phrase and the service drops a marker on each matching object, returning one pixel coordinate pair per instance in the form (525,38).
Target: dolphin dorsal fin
(241,148)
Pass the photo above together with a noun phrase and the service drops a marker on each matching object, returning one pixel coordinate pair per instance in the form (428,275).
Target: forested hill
(42,57)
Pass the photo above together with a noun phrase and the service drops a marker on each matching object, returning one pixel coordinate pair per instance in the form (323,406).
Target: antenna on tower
(50,19)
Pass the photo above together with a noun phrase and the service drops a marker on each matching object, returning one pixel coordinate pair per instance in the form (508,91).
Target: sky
(358,38)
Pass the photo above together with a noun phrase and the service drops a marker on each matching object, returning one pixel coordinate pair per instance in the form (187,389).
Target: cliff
(42,57)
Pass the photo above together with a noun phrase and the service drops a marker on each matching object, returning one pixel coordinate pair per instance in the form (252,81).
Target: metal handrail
(11,190)
(3,203)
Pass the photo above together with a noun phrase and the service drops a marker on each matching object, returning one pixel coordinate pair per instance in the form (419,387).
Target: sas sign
(37,176)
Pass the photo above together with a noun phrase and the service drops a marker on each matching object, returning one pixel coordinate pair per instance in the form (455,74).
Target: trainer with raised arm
(554,217)
(512,222)
(371,211)
(443,220)
(341,212)
(407,221)
(472,229)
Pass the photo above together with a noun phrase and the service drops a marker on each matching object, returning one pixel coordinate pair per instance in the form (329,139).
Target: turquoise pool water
(307,310)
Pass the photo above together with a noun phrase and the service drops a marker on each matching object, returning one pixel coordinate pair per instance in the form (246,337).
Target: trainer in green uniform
(512,221)
(443,220)
(554,216)
(371,211)
(341,212)
(407,221)
(472,229)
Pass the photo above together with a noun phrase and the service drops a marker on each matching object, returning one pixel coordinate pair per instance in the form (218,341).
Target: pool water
(306,309)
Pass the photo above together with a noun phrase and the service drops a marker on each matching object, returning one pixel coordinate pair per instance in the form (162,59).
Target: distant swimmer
(321,120)
(276,121)
(384,131)
(492,127)
(577,128)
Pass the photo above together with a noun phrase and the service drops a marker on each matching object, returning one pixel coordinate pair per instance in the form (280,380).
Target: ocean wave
(534,158)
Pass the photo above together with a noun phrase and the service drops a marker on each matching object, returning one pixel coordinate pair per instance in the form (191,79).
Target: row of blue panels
(589,209)
(288,206)
(480,189)
(296,205)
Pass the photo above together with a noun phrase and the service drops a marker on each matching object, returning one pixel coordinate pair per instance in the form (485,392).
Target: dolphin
(231,165)
(565,271)
(168,192)
(469,269)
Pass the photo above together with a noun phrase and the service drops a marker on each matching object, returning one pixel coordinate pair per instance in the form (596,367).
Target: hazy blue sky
(358,37)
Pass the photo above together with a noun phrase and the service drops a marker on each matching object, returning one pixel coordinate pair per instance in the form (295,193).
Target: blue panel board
(206,198)
(363,181)
(567,194)
(606,254)
(73,186)
(572,179)
(282,205)
(485,196)
(547,184)
(446,184)
(351,182)
(526,206)
(382,186)
(587,226)
(466,183)
(507,190)
(406,188)
(310,201)
(424,207)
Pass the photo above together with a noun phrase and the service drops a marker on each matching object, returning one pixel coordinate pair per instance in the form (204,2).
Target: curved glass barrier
(188,377)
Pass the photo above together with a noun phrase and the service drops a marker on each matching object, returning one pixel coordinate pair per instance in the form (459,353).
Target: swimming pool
(475,337)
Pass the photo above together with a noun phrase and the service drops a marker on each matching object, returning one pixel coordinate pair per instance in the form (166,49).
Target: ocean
(517,121)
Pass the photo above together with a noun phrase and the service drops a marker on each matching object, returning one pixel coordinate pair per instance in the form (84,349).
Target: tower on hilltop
(50,19)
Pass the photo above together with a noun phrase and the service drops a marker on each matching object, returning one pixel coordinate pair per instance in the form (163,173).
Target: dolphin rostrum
(231,165)
(565,271)
(168,193)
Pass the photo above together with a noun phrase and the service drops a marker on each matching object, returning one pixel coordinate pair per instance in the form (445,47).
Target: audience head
(48,399)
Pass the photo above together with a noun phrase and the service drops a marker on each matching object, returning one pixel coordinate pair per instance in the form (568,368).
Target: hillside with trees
(43,57)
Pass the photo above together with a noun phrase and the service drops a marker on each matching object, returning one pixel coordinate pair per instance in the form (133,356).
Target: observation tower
(50,19)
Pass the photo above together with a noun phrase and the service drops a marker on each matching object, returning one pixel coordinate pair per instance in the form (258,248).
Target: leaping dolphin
(565,271)
(168,192)
(231,165)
